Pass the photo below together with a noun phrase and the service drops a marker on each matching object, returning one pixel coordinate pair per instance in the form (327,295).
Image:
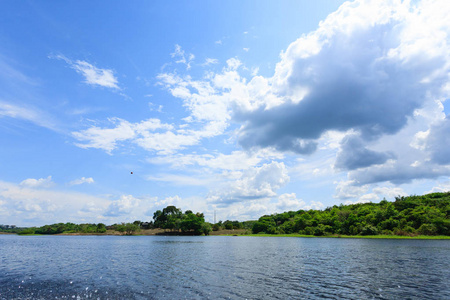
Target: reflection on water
(157,267)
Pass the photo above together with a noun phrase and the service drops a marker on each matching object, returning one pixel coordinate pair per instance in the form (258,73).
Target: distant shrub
(206,228)
(427,229)
(369,230)
(401,232)
(309,231)
(27,231)
(409,229)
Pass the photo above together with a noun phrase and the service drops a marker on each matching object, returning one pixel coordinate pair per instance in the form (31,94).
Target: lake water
(155,267)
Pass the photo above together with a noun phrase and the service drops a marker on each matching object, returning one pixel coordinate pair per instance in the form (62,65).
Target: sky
(110,111)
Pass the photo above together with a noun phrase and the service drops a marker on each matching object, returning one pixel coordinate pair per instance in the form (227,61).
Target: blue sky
(245,108)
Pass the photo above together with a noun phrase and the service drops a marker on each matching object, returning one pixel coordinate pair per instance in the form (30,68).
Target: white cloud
(150,134)
(183,180)
(182,57)
(30,114)
(441,187)
(82,180)
(91,74)
(154,107)
(253,183)
(348,73)
(35,206)
(38,183)
(349,189)
(364,90)
(289,202)
(122,206)
(210,61)
(389,192)
(236,160)
(96,76)
(10,73)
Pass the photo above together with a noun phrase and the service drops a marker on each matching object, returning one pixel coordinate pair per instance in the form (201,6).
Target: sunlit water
(150,267)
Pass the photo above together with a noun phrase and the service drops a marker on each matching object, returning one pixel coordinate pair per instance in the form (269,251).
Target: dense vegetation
(231,225)
(413,215)
(9,228)
(175,220)
(65,228)
(170,218)
(408,216)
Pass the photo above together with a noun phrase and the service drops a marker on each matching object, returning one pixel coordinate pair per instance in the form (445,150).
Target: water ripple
(85,267)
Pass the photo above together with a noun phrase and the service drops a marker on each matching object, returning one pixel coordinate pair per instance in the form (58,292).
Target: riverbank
(398,237)
(243,232)
(246,232)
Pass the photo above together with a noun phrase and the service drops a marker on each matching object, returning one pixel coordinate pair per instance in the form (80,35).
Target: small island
(425,217)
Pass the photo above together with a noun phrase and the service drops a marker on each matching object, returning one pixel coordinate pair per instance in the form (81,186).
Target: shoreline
(391,237)
(241,233)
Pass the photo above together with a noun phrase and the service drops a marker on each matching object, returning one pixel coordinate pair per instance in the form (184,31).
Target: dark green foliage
(369,230)
(127,228)
(10,228)
(69,228)
(30,230)
(174,219)
(206,228)
(427,215)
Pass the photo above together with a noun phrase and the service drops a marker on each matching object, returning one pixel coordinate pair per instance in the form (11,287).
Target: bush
(260,227)
(409,229)
(127,228)
(369,230)
(27,231)
(206,228)
(402,232)
(427,229)
(308,231)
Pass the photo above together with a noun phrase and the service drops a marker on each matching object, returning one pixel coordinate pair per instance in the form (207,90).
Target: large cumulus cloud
(252,184)
(354,155)
(438,142)
(364,68)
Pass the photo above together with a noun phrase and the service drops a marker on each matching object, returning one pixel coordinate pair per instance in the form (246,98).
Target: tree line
(170,218)
(413,215)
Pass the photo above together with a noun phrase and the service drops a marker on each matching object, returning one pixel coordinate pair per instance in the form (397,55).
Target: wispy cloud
(151,134)
(82,180)
(29,114)
(9,72)
(92,74)
(251,184)
(38,183)
(182,57)
(210,61)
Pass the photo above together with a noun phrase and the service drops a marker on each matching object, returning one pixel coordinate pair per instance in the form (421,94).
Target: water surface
(217,267)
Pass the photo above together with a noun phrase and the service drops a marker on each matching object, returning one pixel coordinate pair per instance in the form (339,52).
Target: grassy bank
(396,237)
(153,232)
